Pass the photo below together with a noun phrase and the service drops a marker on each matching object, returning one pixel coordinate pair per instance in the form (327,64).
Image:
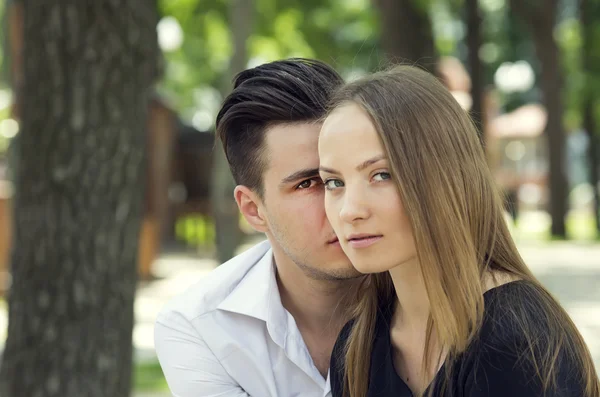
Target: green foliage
(4,75)
(569,38)
(340,32)
(3,67)
(196,230)
(448,26)
(591,56)
(4,113)
(345,33)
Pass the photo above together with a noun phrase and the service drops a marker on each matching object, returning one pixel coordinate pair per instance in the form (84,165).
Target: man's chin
(342,273)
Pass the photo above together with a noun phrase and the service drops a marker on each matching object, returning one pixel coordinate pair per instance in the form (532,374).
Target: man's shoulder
(207,294)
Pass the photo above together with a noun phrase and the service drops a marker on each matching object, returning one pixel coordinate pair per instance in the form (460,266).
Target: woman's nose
(354,207)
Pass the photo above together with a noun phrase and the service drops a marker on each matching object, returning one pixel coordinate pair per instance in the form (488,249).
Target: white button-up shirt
(229,335)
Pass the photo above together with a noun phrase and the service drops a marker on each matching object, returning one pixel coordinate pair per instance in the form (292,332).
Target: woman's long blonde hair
(459,230)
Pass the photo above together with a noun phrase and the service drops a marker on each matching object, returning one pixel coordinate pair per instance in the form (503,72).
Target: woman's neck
(408,332)
(413,303)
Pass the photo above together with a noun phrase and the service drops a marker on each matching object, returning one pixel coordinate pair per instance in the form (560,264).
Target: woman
(447,306)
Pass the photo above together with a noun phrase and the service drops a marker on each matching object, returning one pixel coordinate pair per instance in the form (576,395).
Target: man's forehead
(299,137)
(294,128)
(292,147)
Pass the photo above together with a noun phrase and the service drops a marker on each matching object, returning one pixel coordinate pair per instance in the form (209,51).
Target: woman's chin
(369,268)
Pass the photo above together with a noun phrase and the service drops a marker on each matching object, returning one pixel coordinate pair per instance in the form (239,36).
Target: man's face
(294,203)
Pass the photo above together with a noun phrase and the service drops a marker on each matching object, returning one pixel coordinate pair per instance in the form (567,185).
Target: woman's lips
(363,242)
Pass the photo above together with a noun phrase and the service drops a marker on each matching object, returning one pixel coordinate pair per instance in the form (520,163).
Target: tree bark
(224,207)
(541,18)
(475,65)
(13,51)
(88,68)
(406,33)
(552,84)
(589,13)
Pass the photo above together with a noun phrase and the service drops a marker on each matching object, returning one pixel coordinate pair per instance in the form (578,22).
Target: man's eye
(308,183)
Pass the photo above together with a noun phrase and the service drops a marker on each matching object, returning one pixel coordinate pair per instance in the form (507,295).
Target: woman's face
(361,199)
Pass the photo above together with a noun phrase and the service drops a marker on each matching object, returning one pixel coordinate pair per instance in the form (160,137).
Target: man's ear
(249,204)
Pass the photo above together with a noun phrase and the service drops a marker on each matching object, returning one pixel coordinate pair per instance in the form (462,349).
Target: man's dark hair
(281,92)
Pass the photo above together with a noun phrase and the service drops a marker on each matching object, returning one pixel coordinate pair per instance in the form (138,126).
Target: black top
(490,366)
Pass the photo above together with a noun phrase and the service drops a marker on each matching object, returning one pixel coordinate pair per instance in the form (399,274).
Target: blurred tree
(88,71)
(590,15)
(14,52)
(540,17)
(569,36)
(406,32)
(5,59)
(3,43)
(475,66)
(504,40)
(224,207)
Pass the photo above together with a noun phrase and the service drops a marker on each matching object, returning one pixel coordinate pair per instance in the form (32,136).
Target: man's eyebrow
(365,164)
(301,174)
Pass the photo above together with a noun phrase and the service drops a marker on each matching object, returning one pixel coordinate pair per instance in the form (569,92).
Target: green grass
(199,230)
(536,227)
(148,377)
(580,226)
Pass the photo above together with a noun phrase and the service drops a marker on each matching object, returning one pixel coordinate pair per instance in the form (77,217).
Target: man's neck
(317,305)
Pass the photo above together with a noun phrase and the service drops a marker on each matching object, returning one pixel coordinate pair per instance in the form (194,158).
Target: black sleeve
(499,373)
(336,366)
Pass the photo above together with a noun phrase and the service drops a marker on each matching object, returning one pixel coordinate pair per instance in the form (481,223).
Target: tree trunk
(224,207)
(541,19)
(406,33)
(13,51)
(475,65)
(88,68)
(589,13)
(552,84)
(589,124)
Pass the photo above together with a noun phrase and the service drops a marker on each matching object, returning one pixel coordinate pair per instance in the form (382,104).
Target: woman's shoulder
(519,333)
(515,307)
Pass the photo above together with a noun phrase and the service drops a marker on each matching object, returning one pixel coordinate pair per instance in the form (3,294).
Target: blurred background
(111,201)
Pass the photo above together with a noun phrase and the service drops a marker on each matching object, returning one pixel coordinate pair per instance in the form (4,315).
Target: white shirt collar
(260,283)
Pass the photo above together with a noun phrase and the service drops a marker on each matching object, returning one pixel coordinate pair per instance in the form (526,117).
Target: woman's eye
(308,183)
(381,176)
(331,184)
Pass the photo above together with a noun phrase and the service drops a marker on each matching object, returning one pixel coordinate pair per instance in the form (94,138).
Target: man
(264,323)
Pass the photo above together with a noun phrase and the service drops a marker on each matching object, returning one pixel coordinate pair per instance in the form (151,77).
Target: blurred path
(571,271)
